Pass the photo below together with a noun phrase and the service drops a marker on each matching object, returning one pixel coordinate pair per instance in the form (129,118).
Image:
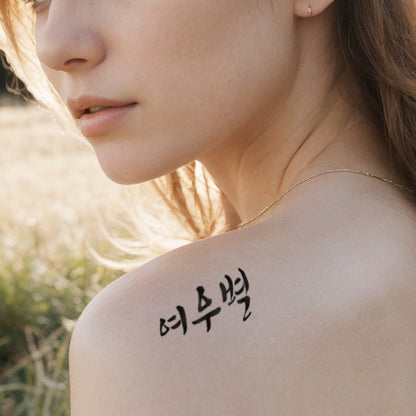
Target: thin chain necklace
(265,209)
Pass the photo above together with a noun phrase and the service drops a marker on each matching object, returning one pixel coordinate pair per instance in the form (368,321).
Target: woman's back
(325,325)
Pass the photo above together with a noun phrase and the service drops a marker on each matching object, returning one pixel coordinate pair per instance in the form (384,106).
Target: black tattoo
(231,290)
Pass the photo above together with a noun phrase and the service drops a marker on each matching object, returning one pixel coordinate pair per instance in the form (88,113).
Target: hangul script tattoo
(231,290)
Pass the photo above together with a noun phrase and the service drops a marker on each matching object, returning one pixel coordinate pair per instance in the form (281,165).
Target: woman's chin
(128,163)
(124,174)
(125,177)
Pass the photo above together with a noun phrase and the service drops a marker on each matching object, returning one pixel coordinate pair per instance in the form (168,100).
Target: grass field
(51,189)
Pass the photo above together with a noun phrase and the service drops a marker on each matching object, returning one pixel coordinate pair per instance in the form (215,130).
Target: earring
(309,11)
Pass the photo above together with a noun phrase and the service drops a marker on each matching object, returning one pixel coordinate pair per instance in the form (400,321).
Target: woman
(303,111)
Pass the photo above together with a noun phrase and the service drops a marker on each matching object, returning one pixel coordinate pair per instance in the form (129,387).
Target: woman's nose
(65,42)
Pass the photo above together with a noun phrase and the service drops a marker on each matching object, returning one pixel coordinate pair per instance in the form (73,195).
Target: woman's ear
(309,8)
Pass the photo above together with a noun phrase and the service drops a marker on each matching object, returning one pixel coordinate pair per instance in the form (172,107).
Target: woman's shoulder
(310,287)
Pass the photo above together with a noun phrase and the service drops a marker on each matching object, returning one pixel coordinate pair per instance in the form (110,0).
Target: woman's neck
(309,128)
(253,173)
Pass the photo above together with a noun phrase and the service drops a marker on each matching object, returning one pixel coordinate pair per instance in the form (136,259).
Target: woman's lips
(99,123)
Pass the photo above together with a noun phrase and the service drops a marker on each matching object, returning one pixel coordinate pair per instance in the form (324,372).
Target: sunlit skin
(236,85)
(197,70)
(246,87)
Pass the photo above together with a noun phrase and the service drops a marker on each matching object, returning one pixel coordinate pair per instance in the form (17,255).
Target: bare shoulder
(315,303)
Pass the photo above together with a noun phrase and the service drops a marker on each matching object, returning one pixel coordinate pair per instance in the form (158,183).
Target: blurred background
(51,189)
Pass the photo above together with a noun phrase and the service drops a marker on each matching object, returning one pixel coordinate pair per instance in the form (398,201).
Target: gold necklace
(265,209)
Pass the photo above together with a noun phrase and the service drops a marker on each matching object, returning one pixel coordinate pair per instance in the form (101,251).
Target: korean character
(233,289)
(203,303)
(164,328)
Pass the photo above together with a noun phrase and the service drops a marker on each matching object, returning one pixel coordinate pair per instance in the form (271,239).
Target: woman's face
(182,78)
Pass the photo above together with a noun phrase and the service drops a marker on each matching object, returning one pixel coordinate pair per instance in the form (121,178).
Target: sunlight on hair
(187,200)
(17,41)
(153,223)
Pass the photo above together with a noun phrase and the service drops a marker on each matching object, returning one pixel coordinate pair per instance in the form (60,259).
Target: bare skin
(332,329)
(331,268)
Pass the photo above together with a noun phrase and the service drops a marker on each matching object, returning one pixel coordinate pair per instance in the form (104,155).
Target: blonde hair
(17,40)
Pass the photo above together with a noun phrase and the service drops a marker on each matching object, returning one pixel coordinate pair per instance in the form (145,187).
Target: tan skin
(332,329)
